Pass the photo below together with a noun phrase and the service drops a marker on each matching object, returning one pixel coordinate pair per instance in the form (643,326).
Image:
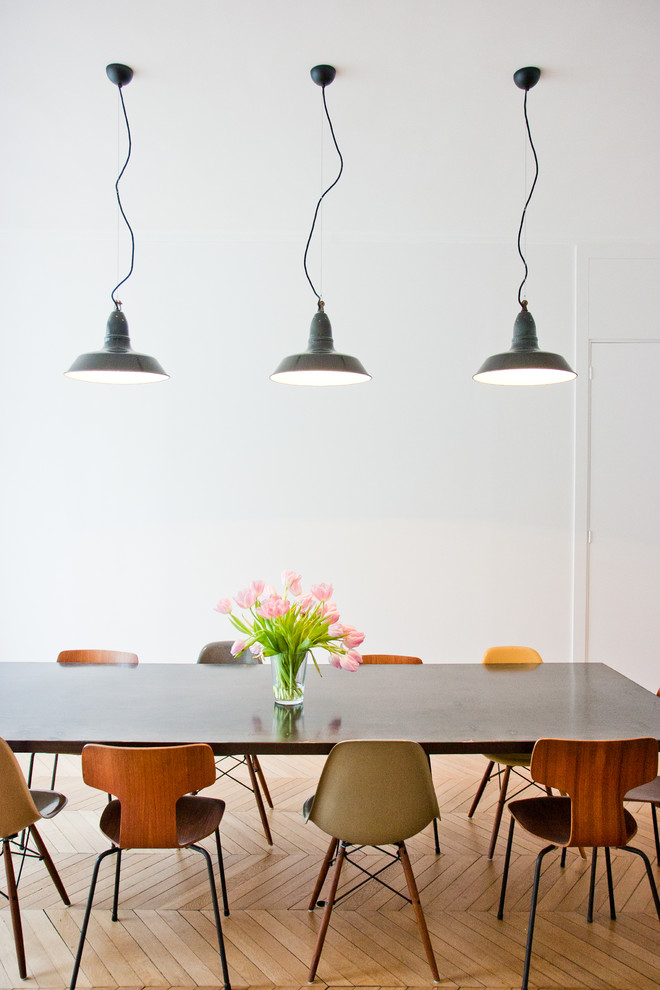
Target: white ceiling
(227,123)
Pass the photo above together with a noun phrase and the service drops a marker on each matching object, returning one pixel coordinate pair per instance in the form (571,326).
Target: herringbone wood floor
(165,936)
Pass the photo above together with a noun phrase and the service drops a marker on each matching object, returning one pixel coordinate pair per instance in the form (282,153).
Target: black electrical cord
(121,208)
(531,191)
(323,195)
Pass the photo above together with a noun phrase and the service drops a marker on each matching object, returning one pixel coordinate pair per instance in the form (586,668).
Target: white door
(623,622)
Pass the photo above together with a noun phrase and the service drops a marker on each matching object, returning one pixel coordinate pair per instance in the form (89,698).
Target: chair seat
(510,759)
(196,817)
(549,818)
(645,792)
(48,803)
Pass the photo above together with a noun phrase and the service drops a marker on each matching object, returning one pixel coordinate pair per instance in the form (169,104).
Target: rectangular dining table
(448,708)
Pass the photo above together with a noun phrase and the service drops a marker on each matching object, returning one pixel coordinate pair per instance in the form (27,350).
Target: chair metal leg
(221,870)
(30,769)
(260,803)
(498,811)
(15,910)
(417,908)
(592,885)
(436,838)
(262,779)
(54,774)
(481,788)
(505,872)
(88,911)
(216,913)
(532,915)
(320,880)
(562,861)
(654,815)
(610,885)
(649,873)
(325,921)
(48,863)
(115,897)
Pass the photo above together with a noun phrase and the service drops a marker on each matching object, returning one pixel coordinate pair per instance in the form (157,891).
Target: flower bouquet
(287,627)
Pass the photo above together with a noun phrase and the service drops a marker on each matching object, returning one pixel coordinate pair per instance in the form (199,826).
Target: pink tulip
(246,598)
(330,612)
(224,606)
(270,592)
(273,607)
(335,660)
(257,586)
(336,630)
(305,603)
(292,582)
(322,592)
(352,637)
(257,650)
(239,646)
(351,660)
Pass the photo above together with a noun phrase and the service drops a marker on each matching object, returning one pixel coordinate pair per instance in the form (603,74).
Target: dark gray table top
(449,708)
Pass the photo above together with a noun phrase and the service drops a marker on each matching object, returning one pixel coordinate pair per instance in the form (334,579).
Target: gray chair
(649,794)
(220,652)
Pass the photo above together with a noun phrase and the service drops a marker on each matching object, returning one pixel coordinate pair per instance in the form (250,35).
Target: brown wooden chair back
(595,774)
(388,658)
(148,783)
(98,656)
(511,654)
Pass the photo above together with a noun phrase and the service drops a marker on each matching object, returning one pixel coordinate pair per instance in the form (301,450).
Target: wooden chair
(388,658)
(85,656)
(372,793)
(220,652)
(649,794)
(510,761)
(595,776)
(402,658)
(20,809)
(155,810)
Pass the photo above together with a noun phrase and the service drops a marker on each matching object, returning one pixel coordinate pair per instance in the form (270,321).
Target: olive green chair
(372,792)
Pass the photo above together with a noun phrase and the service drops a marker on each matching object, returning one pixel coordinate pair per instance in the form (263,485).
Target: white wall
(441,510)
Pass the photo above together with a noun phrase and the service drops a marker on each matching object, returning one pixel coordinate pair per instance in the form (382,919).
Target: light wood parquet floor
(165,936)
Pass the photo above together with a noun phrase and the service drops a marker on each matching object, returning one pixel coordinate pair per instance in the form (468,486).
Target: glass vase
(288,670)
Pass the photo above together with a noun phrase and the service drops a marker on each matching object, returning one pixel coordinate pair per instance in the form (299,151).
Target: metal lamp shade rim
(115,367)
(320,368)
(525,367)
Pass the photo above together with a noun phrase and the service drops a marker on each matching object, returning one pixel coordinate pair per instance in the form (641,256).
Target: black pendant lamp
(320,364)
(117,363)
(525,363)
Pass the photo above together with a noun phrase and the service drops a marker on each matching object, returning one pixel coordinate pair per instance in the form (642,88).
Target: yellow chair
(220,652)
(510,761)
(595,775)
(372,793)
(21,808)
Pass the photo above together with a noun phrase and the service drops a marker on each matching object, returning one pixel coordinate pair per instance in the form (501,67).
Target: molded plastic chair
(155,810)
(21,808)
(220,652)
(596,775)
(509,761)
(402,658)
(372,793)
(649,794)
(389,658)
(85,656)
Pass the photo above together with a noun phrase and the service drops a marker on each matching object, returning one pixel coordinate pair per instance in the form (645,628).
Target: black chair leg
(115,898)
(221,870)
(649,873)
(499,810)
(610,885)
(592,885)
(654,815)
(481,788)
(436,837)
(505,872)
(54,774)
(216,913)
(88,911)
(532,915)
(562,862)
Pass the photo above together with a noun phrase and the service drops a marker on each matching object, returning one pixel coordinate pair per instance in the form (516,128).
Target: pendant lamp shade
(117,363)
(525,363)
(320,364)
